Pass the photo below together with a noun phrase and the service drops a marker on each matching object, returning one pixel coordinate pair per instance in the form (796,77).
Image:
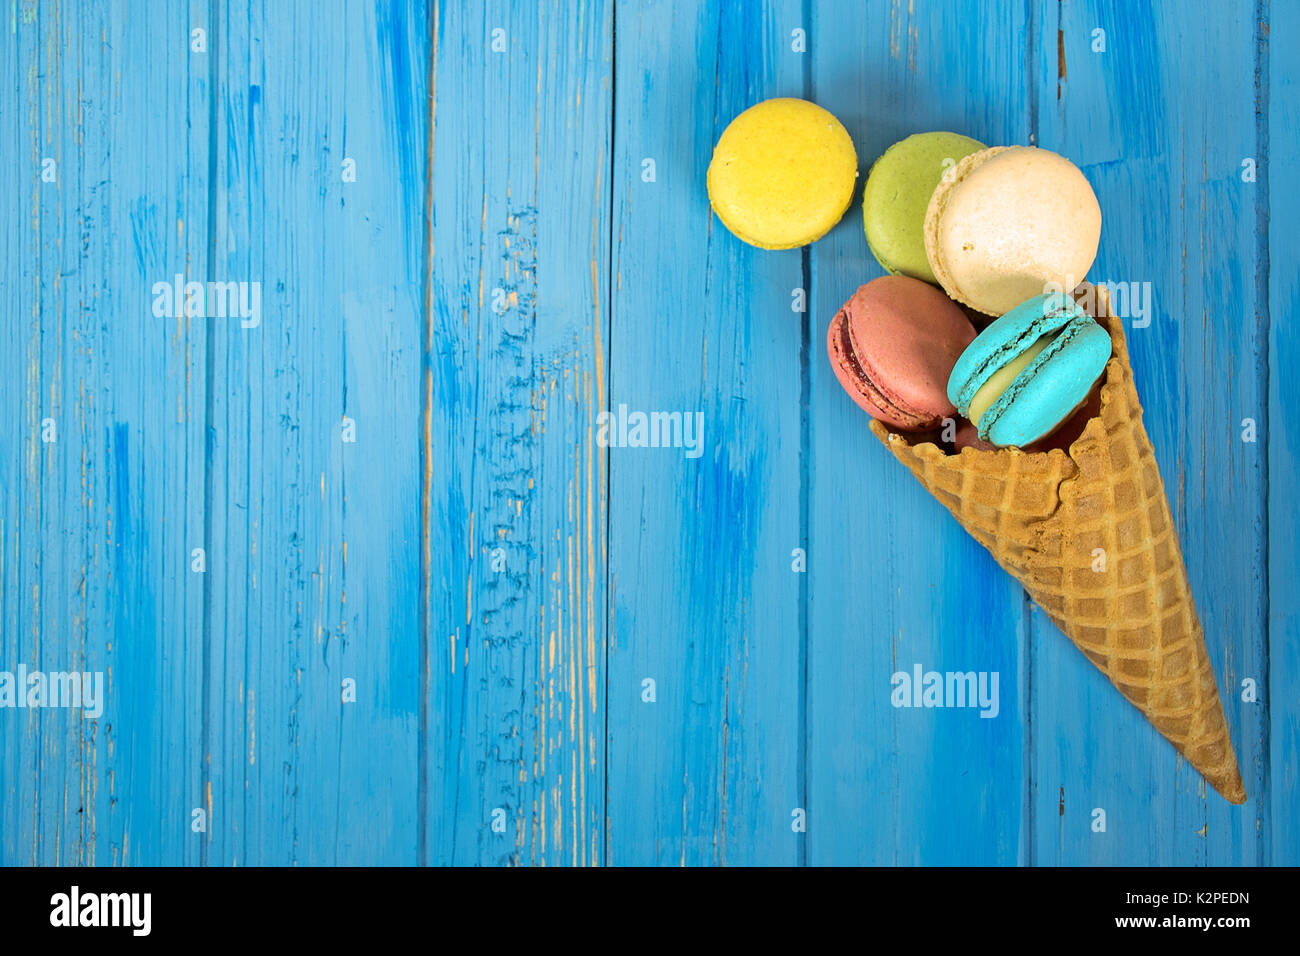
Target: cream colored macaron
(782,174)
(1008,223)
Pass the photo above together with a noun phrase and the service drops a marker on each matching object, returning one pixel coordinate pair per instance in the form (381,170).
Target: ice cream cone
(1090,536)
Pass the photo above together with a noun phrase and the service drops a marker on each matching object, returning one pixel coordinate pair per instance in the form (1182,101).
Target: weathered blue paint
(518,318)
(1277,87)
(495,586)
(703,598)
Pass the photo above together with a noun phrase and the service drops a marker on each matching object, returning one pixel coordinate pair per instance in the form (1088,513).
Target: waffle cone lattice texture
(1128,607)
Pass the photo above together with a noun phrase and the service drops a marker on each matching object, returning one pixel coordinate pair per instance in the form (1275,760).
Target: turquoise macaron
(1030,370)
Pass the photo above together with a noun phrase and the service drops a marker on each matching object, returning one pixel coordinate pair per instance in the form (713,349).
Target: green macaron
(897,194)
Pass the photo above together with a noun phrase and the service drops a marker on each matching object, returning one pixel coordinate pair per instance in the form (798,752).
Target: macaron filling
(892,408)
(1019,330)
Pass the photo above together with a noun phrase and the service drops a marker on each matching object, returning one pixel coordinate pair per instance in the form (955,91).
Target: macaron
(893,346)
(1010,223)
(1027,373)
(897,195)
(782,174)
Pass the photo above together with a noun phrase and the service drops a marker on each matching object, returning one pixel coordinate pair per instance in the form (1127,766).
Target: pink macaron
(893,347)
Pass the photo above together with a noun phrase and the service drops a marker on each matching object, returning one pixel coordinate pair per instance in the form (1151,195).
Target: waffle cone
(1128,606)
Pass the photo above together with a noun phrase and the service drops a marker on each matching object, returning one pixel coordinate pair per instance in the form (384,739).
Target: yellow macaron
(782,174)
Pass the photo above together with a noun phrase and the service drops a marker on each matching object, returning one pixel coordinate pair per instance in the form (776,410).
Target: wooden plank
(893,578)
(515,483)
(1160,122)
(95,527)
(314,456)
(704,601)
(23,461)
(1277,90)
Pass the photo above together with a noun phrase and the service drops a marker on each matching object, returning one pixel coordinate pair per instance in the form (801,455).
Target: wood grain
(1277,87)
(895,582)
(97,525)
(704,599)
(518,325)
(315,545)
(463,262)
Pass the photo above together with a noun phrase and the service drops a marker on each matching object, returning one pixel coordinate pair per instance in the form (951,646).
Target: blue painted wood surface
(475,229)
(893,579)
